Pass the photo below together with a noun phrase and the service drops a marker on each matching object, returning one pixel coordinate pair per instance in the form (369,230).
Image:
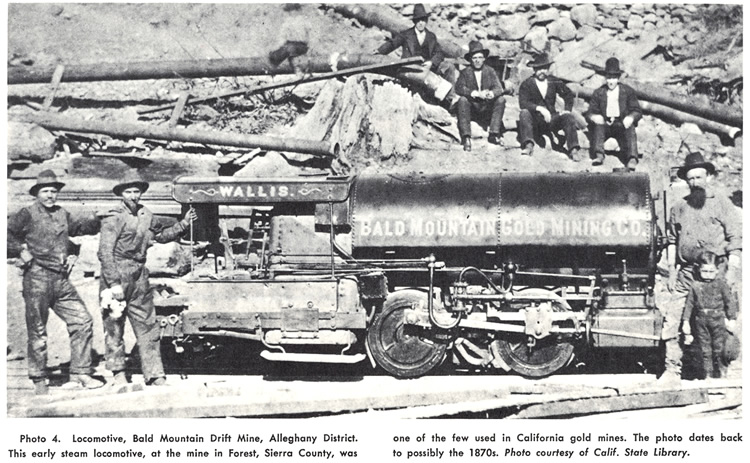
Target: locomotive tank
(513,271)
(575,222)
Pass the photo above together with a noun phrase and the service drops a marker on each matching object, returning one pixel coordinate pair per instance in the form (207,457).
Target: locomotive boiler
(510,271)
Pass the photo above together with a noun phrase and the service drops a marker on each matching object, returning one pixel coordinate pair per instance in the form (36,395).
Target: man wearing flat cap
(701,221)
(614,112)
(419,41)
(39,235)
(127,233)
(480,94)
(536,98)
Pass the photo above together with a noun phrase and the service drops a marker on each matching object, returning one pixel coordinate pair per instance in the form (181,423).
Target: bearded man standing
(701,221)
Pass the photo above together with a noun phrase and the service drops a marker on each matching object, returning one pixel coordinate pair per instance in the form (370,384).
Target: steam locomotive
(510,271)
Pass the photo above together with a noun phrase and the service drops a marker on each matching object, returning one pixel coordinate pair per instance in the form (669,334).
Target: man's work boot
(632,164)
(40,387)
(575,154)
(669,380)
(467,143)
(160,381)
(120,378)
(527,149)
(598,160)
(495,139)
(87,381)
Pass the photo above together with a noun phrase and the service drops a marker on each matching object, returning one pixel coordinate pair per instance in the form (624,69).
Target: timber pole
(141,130)
(193,69)
(288,83)
(671,114)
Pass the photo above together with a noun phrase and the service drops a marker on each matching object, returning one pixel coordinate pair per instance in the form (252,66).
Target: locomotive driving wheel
(533,357)
(405,351)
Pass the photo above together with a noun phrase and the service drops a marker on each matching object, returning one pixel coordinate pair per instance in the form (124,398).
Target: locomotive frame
(505,271)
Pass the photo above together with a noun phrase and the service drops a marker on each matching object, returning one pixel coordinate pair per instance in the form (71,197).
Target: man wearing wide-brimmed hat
(127,232)
(614,112)
(39,236)
(536,98)
(480,94)
(701,221)
(419,41)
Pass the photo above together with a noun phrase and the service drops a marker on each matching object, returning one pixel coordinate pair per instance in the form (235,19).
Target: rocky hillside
(689,50)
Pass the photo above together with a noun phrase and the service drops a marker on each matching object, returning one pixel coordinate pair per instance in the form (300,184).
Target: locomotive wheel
(405,351)
(548,354)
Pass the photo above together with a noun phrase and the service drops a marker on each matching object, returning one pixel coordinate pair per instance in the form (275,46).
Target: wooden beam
(571,408)
(177,111)
(54,84)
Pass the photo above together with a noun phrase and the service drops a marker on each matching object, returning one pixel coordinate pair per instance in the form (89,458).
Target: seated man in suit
(536,99)
(481,94)
(614,111)
(419,41)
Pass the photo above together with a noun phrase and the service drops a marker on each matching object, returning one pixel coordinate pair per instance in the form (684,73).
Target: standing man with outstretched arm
(126,235)
(39,235)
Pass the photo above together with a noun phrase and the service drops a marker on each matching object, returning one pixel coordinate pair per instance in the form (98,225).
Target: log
(288,83)
(387,19)
(589,406)
(142,70)
(140,130)
(708,110)
(670,114)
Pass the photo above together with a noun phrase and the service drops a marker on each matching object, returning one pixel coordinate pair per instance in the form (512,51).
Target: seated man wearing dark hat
(127,233)
(481,94)
(701,221)
(536,98)
(419,41)
(39,236)
(614,112)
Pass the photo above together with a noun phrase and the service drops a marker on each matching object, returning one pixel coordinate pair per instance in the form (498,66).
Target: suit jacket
(629,104)
(410,47)
(467,83)
(529,96)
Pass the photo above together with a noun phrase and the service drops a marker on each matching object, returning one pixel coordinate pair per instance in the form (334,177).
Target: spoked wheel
(405,351)
(544,357)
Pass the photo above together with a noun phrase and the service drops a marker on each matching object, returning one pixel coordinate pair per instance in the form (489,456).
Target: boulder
(562,29)
(650,18)
(584,14)
(502,8)
(637,8)
(585,31)
(30,142)
(611,23)
(270,164)
(545,16)
(537,39)
(635,22)
(512,27)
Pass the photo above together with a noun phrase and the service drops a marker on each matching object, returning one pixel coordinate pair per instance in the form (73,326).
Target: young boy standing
(709,301)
